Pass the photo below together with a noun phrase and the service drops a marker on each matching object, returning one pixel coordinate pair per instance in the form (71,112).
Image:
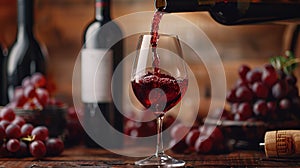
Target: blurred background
(59,25)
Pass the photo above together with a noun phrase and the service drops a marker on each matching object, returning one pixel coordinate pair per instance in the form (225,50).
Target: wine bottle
(101,53)
(25,55)
(234,12)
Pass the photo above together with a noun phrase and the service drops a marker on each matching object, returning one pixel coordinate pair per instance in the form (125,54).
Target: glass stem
(160,145)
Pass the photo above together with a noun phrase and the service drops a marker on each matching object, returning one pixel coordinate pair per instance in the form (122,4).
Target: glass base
(160,160)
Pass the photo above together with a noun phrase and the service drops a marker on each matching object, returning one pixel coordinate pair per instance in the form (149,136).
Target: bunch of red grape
(200,139)
(144,129)
(266,94)
(33,94)
(74,131)
(21,139)
(183,138)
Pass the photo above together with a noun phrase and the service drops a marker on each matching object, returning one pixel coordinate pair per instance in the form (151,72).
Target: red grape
(26,130)
(279,90)
(146,129)
(129,125)
(38,80)
(291,79)
(13,145)
(168,121)
(260,90)
(234,108)
(19,97)
(254,75)
(241,82)
(151,127)
(272,106)
(72,115)
(4,123)
(217,135)
(140,129)
(244,94)
(54,146)
(231,96)
(285,104)
(23,151)
(269,67)
(245,111)
(37,149)
(260,108)
(243,70)
(13,131)
(42,96)
(29,91)
(19,121)
(75,131)
(269,75)
(192,136)
(179,131)
(203,144)
(7,114)
(40,133)
(26,81)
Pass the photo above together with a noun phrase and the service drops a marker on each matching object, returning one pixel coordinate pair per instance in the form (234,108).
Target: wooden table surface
(80,156)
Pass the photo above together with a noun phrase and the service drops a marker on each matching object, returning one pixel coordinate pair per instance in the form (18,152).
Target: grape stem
(292,61)
(29,138)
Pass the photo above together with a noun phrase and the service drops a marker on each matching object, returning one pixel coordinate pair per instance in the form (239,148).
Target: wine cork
(283,143)
(296,138)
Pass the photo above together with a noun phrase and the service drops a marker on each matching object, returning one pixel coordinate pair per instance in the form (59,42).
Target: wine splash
(159,92)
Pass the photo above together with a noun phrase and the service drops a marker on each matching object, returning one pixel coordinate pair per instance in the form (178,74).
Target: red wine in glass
(159,92)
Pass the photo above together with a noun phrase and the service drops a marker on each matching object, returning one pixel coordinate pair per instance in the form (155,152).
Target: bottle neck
(25,17)
(188,6)
(102,10)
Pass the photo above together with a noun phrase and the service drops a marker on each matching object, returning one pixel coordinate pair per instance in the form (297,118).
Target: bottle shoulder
(102,35)
(97,25)
(24,50)
(24,43)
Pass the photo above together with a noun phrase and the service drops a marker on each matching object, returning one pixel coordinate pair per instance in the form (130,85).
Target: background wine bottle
(25,56)
(3,76)
(102,45)
(234,12)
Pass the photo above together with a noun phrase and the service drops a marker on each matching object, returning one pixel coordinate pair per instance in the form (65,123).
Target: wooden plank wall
(60,24)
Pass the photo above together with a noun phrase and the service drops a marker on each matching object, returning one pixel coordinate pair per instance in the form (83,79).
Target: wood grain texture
(82,157)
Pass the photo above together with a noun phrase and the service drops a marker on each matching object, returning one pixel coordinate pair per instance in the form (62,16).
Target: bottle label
(96,75)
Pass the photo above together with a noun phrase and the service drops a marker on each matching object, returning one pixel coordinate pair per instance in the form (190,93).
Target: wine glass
(159,80)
